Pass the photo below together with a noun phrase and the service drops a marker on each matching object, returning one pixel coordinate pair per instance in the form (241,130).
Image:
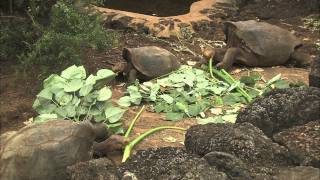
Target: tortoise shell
(266,40)
(151,61)
(44,150)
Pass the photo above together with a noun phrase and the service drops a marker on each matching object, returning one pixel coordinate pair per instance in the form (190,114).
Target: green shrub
(54,42)
(16,36)
(69,32)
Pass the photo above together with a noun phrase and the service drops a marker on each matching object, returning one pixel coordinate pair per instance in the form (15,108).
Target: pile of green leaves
(74,96)
(190,92)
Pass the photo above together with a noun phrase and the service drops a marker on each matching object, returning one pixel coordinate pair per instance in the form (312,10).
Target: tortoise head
(122,67)
(208,53)
(101,131)
(119,67)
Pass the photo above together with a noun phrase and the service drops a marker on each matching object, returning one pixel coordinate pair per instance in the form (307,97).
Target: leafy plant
(189,92)
(74,96)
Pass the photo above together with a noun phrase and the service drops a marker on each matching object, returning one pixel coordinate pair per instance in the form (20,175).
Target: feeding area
(166,89)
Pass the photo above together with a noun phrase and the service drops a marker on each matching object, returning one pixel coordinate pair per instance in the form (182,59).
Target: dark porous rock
(170,163)
(228,163)
(314,76)
(298,173)
(244,141)
(281,109)
(303,143)
(95,169)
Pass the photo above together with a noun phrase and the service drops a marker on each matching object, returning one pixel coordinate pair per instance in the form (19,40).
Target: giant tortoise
(145,63)
(44,150)
(258,44)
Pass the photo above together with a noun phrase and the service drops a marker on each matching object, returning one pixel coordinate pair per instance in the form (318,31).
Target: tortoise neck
(101,132)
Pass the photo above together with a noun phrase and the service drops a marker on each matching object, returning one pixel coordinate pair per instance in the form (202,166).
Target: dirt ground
(18,93)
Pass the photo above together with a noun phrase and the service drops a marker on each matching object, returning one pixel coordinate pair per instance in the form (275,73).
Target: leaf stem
(224,75)
(133,122)
(129,147)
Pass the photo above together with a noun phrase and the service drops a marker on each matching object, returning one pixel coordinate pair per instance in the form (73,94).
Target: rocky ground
(286,147)
(227,151)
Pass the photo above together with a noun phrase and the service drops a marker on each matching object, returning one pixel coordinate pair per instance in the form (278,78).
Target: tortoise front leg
(132,76)
(228,59)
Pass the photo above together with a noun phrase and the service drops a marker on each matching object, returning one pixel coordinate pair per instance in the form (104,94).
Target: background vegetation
(52,33)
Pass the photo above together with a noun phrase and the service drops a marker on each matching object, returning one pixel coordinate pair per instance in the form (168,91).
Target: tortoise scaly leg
(228,59)
(113,143)
(132,76)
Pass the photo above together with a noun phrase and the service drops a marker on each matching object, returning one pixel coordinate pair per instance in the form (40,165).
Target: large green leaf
(124,101)
(189,78)
(167,98)
(82,110)
(164,82)
(217,89)
(85,90)
(135,95)
(91,80)
(73,85)
(113,114)
(230,99)
(61,112)
(63,98)
(176,78)
(171,116)
(100,118)
(154,91)
(282,84)
(90,98)
(182,105)
(70,110)
(162,107)
(194,109)
(74,72)
(94,111)
(103,77)
(45,94)
(53,80)
(104,94)
(216,119)
(36,104)
(45,109)
(250,80)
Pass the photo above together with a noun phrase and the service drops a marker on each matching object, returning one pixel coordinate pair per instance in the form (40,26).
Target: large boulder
(281,109)
(170,163)
(299,172)
(244,141)
(303,143)
(95,169)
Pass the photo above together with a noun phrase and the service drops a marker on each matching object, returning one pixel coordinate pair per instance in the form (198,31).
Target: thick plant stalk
(129,147)
(238,88)
(134,121)
(211,70)
(225,76)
